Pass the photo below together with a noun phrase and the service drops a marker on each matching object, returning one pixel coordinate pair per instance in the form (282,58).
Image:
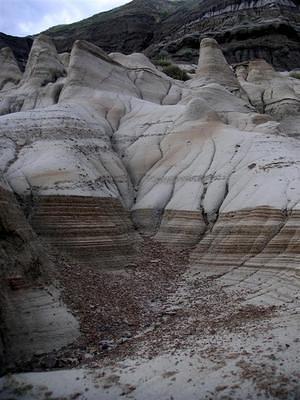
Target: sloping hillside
(246,30)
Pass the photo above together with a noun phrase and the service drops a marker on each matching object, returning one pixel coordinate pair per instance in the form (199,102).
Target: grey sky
(26,17)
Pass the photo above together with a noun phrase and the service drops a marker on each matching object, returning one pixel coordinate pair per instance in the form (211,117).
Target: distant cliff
(245,29)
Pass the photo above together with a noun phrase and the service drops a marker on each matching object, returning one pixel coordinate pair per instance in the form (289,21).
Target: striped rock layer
(101,150)
(33,317)
(89,229)
(97,146)
(257,250)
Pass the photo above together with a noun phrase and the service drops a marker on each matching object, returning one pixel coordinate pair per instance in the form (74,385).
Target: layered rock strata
(33,318)
(155,142)
(246,30)
(100,150)
(238,237)
(255,250)
(213,67)
(92,230)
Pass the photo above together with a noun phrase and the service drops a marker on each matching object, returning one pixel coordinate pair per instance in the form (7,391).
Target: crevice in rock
(57,93)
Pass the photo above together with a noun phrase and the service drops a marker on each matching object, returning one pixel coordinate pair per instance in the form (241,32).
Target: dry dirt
(153,319)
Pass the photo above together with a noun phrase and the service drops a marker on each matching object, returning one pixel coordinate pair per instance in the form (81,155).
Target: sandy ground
(194,338)
(263,364)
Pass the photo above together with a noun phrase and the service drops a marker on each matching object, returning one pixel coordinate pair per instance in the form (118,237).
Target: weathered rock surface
(33,319)
(157,139)
(19,45)
(10,73)
(100,150)
(213,67)
(246,30)
(91,229)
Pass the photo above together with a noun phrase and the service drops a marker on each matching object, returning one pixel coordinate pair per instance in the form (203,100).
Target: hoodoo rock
(246,30)
(213,66)
(43,65)
(99,152)
(10,73)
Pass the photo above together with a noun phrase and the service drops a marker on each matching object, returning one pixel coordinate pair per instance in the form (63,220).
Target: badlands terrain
(149,227)
(245,29)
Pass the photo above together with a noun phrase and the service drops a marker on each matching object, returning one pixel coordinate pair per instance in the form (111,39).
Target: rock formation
(10,73)
(246,30)
(33,319)
(19,45)
(100,150)
(213,66)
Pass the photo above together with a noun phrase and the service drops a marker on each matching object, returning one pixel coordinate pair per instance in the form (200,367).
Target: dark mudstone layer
(246,30)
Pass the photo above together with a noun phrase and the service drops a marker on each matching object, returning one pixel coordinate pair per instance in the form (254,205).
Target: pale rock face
(213,67)
(134,60)
(136,146)
(41,83)
(65,59)
(272,93)
(43,65)
(204,163)
(10,73)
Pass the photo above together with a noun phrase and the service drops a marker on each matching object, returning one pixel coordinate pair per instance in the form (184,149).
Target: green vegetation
(186,53)
(295,74)
(170,69)
(163,62)
(175,72)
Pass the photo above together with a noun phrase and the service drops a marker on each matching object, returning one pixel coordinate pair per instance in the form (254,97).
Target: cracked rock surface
(160,215)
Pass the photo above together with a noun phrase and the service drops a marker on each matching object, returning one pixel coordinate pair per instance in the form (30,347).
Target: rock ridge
(99,151)
(246,30)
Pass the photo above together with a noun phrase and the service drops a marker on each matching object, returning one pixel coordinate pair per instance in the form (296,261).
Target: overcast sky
(27,17)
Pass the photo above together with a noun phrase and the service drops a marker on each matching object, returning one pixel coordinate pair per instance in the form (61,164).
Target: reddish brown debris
(139,310)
